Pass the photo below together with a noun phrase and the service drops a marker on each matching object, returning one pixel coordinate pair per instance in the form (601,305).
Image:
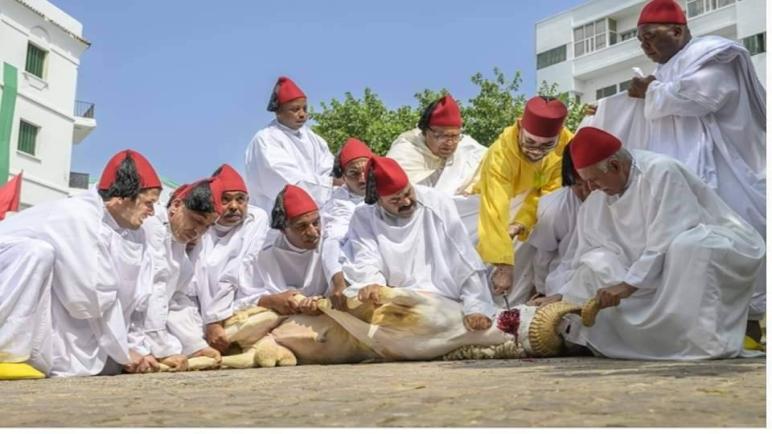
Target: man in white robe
(705,106)
(661,246)
(166,324)
(237,236)
(288,152)
(411,237)
(350,165)
(291,261)
(71,272)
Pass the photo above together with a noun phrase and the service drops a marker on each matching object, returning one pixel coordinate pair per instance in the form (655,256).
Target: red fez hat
(389,176)
(544,117)
(297,202)
(231,180)
(353,149)
(591,145)
(662,12)
(147,176)
(285,90)
(446,113)
(215,186)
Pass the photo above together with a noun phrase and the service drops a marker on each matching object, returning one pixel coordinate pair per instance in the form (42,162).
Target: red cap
(297,202)
(446,113)
(543,118)
(389,176)
(353,149)
(285,90)
(147,176)
(231,180)
(662,12)
(215,186)
(591,145)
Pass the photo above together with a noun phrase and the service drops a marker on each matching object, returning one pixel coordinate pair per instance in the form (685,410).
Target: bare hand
(336,296)
(590,110)
(283,303)
(370,293)
(502,279)
(208,352)
(141,364)
(309,306)
(613,295)
(176,362)
(515,229)
(639,86)
(540,300)
(216,337)
(477,321)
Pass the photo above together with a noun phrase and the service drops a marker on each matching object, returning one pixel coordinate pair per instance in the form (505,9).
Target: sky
(187,82)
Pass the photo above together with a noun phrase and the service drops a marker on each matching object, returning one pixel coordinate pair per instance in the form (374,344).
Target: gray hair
(622,155)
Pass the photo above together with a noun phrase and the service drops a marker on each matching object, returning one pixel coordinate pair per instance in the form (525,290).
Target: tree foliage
(498,104)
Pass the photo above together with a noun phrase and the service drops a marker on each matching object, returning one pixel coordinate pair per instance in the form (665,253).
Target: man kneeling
(412,237)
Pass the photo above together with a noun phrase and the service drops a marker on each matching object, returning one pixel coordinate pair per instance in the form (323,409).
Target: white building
(590,50)
(42,45)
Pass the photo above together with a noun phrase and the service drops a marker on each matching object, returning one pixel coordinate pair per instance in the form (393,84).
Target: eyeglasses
(449,138)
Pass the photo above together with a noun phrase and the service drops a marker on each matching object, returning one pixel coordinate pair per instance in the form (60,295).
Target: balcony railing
(84,109)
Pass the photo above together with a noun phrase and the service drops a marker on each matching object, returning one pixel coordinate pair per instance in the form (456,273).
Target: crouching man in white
(166,325)
(411,237)
(659,244)
(237,237)
(69,273)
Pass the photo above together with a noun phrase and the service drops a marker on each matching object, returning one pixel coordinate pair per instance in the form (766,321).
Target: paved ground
(555,392)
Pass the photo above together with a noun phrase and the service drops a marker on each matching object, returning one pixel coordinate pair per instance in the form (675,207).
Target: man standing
(166,325)
(290,263)
(705,107)
(411,237)
(236,237)
(287,151)
(350,165)
(71,272)
(437,154)
(662,245)
(524,160)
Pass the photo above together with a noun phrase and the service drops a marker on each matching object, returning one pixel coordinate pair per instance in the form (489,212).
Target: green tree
(497,105)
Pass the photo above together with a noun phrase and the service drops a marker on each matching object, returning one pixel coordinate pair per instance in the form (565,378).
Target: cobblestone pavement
(547,392)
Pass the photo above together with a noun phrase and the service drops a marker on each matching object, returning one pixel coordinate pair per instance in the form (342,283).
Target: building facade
(590,50)
(40,50)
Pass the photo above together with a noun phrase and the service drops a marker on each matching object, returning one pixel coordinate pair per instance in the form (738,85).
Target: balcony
(84,121)
(596,63)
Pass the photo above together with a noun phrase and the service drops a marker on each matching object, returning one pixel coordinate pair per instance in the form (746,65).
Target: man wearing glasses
(524,161)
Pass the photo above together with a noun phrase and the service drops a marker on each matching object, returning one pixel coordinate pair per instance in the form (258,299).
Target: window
(28,135)
(623,86)
(594,36)
(699,7)
(629,34)
(36,58)
(756,44)
(551,57)
(606,91)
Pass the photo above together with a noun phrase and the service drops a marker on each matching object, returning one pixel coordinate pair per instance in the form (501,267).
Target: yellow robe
(506,173)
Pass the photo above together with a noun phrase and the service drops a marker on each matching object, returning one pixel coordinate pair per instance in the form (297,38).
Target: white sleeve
(185,323)
(363,263)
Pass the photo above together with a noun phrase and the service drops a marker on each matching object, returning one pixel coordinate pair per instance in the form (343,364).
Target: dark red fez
(542,117)
(353,149)
(147,176)
(591,145)
(231,180)
(446,113)
(389,176)
(297,202)
(286,90)
(662,12)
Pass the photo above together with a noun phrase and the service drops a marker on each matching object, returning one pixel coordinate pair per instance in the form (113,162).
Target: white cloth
(279,267)
(430,251)
(707,110)
(86,274)
(221,258)
(692,258)
(451,176)
(278,155)
(167,321)
(336,215)
(551,237)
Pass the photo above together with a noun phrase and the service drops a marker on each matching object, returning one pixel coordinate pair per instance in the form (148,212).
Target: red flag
(10,194)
